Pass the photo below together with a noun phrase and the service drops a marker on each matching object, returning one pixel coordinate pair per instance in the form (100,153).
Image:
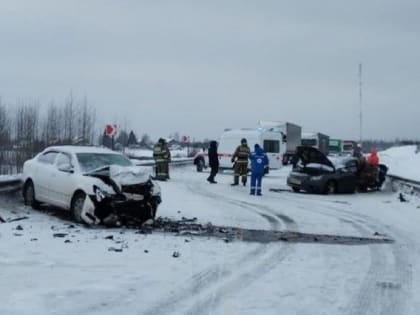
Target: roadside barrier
(401,183)
(9,186)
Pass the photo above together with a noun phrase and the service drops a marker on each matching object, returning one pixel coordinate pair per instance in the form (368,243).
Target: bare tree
(86,122)
(69,118)
(26,124)
(5,131)
(52,125)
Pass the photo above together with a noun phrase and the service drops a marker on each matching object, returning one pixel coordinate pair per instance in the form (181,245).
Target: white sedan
(96,184)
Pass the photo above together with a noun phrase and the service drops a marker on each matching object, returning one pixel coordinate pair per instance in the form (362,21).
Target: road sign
(111,130)
(185,139)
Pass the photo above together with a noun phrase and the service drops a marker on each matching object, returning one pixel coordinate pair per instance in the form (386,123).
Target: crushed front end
(126,200)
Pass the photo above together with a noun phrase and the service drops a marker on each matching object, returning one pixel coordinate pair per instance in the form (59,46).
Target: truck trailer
(291,137)
(316,140)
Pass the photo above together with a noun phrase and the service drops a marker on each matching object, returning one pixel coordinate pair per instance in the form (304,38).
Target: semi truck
(348,147)
(336,146)
(316,140)
(291,137)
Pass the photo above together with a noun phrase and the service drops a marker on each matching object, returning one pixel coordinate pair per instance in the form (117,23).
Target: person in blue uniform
(259,162)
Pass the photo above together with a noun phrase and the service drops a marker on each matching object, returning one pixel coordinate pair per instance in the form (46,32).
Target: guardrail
(11,185)
(401,182)
(175,163)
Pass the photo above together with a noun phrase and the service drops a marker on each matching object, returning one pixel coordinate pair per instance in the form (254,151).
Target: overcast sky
(198,67)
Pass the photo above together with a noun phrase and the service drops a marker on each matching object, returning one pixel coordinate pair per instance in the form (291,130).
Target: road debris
(113,249)
(60,234)
(17,219)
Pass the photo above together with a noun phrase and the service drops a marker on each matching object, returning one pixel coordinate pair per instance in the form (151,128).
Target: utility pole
(361,104)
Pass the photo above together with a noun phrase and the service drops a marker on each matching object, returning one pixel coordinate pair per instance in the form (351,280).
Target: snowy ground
(78,274)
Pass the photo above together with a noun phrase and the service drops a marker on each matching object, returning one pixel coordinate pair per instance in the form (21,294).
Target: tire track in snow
(388,282)
(245,275)
(221,280)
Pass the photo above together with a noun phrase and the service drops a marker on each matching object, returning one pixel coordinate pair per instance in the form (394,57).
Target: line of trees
(28,127)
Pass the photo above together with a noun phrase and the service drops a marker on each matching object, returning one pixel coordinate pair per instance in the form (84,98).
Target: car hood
(123,175)
(310,155)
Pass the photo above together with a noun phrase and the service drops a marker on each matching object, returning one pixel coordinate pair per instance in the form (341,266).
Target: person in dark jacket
(213,162)
(259,161)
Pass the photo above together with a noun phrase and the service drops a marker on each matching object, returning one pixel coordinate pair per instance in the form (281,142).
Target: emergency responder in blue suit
(259,162)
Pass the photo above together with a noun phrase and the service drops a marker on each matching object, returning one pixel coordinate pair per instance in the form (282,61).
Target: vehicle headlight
(99,193)
(316,178)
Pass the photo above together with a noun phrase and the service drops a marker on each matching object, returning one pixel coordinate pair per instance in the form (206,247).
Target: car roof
(80,149)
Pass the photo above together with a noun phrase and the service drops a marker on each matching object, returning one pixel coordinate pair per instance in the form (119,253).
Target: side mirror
(67,168)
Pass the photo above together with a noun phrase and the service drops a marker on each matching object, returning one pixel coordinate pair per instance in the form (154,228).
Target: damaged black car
(314,172)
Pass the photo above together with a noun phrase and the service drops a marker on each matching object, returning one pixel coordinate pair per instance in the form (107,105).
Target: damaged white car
(97,185)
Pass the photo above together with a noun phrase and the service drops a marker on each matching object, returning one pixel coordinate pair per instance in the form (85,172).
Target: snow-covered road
(77,274)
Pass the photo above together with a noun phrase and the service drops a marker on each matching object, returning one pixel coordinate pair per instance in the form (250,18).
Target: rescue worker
(373,167)
(373,158)
(162,157)
(213,162)
(240,160)
(357,153)
(259,162)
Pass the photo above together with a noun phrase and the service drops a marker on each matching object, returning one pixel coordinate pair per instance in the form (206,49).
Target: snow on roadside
(402,161)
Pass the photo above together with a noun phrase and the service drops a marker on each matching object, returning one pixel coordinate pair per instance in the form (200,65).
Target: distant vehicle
(348,147)
(314,172)
(335,147)
(97,185)
(316,140)
(201,160)
(269,140)
(291,137)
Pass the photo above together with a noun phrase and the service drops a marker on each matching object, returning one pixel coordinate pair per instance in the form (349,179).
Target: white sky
(198,67)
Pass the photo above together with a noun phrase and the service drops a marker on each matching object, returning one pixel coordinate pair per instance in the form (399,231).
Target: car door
(41,178)
(61,184)
(347,177)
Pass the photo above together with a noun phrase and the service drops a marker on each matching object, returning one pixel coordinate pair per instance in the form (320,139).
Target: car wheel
(330,188)
(29,195)
(77,204)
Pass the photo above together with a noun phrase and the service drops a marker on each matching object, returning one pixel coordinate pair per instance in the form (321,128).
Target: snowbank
(402,161)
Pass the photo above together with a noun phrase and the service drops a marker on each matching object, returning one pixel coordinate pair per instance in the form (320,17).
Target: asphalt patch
(189,227)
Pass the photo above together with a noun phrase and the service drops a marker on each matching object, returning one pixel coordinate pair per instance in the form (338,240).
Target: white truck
(316,140)
(269,140)
(291,137)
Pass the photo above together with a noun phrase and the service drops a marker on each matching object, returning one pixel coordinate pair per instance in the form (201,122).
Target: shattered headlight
(100,194)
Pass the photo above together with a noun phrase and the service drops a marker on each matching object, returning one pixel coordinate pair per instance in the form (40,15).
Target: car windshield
(92,161)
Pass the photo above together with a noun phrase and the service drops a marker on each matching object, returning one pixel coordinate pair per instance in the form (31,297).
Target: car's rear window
(91,161)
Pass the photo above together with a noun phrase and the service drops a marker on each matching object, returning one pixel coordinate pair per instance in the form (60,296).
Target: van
(269,140)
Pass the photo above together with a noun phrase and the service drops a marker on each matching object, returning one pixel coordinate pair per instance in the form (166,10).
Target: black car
(314,172)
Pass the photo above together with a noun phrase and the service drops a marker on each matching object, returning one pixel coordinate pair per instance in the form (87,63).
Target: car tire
(296,189)
(29,195)
(330,188)
(76,207)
